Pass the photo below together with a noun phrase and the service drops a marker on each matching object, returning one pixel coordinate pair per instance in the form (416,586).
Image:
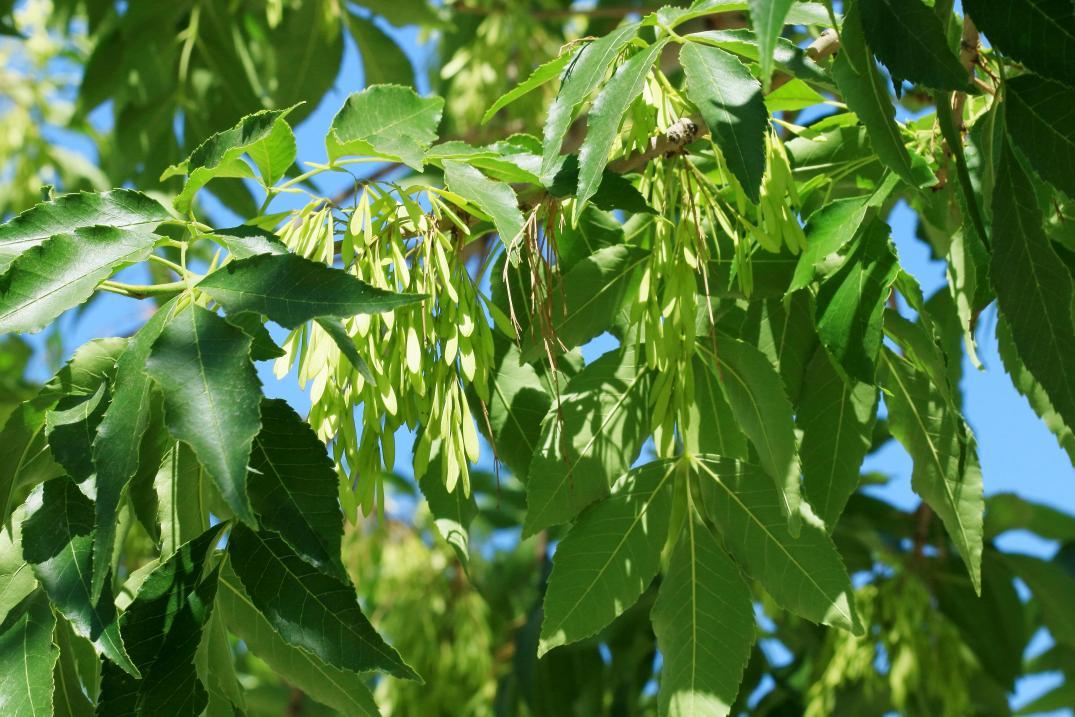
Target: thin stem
(170,264)
(143,291)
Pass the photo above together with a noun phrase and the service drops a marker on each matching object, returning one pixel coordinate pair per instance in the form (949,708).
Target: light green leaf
(119,208)
(836,417)
(245,241)
(201,364)
(909,39)
(342,690)
(1036,117)
(222,154)
(16,575)
(592,439)
(588,68)
(704,621)
(604,120)
(542,74)
(730,101)
(804,574)
(291,290)
(850,303)
(117,447)
(761,407)
(70,698)
(767,17)
(1034,288)
(1038,33)
(62,272)
(1052,587)
(383,61)
(588,297)
(866,94)
(27,658)
(309,609)
(294,489)
(946,472)
(1025,383)
(181,505)
(275,154)
(609,557)
(163,627)
(495,198)
(58,542)
(386,121)
(792,96)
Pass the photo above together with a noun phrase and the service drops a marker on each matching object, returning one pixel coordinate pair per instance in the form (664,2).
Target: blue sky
(1018,454)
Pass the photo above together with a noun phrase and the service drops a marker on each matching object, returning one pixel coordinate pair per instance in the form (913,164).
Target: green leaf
(1037,33)
(1025,383)
(761,407)
(946,472)
(293,487)
(70,429)
(591,439)
(850,303)
(730,101)
(222,154)
(588,297)
(342,690)
(201,364)
(70,698)
(383,61)
(786,55)
(1034,288)
(493,197)
(713,427)
(58,542)
(704,621)
(62,272)
(542,74)
(262,347)
(452,512)
(163,627)
(909,39)
(836,417)
(866,94)
(804,574)
(1007,511)
(117,447)
(274,154)
(609,557)
(291,290)
(1052,587)
(16,575)
(27,657)
(120,208)
(309,609)
(767,17)
(180,489)
(1036,117)
(387,121)
(518,402)
(606,114)
(588,67)
(245,241)
(216,667)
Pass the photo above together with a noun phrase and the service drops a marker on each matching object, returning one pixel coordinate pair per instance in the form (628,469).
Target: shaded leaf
(767,17)
(1036,115)
(909,39)
(542,74)
(1038,33)
(383,61)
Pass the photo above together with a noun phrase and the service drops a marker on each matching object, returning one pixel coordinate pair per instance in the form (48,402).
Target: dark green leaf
(1007,511)
(909,39)
(383,61)
(27,657)
(386,121)
(1038,121)
(609,557)
(850,304)
(590,439)
(70,429)
(201,364)
(262,347)
(62,272)
(704,620)
(342,690)
(163,626)
(604,120)
(1038,33)
(309,609)
(452,512)
(804,574)
(588,67)
(216,667)
(730,101)
(291,290)
(1034,288)
(836,418)
(120,208)
(518,402)
(58,542)
(293,487)
(245,241)
(70,698)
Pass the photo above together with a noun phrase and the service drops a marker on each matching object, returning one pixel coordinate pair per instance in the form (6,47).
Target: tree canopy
(679,524)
